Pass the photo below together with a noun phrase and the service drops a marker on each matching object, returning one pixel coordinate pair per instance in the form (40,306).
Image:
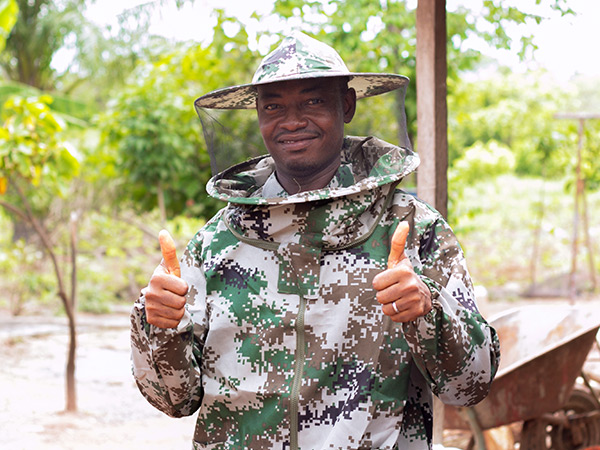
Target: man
(287,329)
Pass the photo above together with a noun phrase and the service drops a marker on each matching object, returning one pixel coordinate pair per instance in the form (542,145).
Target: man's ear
(349,105)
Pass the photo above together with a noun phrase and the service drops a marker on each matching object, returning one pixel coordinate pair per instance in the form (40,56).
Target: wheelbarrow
(543,351)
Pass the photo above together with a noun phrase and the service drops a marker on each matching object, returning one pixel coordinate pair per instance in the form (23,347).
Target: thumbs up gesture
(402,294)
(165,294)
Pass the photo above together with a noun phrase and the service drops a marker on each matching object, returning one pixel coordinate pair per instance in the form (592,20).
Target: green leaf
(8,17)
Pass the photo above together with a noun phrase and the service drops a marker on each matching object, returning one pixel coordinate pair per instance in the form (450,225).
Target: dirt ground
(112,413)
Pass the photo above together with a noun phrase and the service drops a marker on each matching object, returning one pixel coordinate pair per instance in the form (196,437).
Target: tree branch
(140,226)
(13,209)
(47,245)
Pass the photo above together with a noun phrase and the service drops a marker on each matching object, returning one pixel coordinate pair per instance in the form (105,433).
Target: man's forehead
(299,86)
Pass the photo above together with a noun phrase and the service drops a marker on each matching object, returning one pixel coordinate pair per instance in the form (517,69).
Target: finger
(161,281)
(394,308)
(167,247)
(154,310)
(398,243)
(165,312)
(166,299)
(404,311)
(159,322)
(404,316)
(398,275)
(170,320)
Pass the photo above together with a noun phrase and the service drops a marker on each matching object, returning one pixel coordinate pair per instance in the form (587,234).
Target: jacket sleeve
(453,346)
(166,362)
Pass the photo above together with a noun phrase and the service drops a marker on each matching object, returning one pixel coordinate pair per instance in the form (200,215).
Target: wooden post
(578,192)
(432,110)
(432,124)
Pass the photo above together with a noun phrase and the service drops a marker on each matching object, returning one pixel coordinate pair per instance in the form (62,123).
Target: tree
(154,132)
(156,136)
(54,48)
(33,155)
(41,30)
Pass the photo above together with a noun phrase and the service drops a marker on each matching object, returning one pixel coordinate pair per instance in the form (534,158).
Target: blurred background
(100,148)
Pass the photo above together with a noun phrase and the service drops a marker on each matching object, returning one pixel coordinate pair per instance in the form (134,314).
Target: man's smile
(296,142)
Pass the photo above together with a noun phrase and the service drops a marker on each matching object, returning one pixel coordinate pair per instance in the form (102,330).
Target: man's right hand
(165,294)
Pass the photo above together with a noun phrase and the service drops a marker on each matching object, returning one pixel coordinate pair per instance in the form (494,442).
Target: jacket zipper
(299,358)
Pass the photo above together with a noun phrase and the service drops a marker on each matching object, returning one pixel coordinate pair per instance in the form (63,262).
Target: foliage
(515,110)
(53,47)
(25,282)
(8,17)
(156,136)
(483,161)
(31,146)
(104,58)
(591,155)
(115,258)
(153,129)
(41,30)
(590,152)
(584,95)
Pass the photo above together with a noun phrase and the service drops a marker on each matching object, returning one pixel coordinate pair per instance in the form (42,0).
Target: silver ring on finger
(395,307)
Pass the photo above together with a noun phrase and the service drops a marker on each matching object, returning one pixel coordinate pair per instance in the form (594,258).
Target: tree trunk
(71,392)
(67,302)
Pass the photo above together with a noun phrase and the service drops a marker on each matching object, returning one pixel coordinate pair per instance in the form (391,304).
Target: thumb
(398,244)
(169,254)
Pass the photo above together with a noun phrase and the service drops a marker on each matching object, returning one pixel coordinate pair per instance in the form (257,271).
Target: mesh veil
(403,140)
(233,136)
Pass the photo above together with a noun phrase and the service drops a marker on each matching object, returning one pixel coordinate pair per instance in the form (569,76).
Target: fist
(402,294)
(165,294)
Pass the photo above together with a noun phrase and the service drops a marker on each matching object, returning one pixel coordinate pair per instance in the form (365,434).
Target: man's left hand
(402,293)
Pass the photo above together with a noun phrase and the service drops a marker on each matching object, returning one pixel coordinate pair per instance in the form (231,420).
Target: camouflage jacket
(283,344)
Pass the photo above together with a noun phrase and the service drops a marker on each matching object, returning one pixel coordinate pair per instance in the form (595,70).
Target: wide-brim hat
(297,57)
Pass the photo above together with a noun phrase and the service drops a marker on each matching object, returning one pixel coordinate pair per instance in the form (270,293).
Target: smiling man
(296,322)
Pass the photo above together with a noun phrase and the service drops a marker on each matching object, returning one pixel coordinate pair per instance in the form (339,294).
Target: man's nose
(294,119)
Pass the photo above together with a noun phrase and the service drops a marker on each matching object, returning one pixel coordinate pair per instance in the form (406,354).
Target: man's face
(302,124)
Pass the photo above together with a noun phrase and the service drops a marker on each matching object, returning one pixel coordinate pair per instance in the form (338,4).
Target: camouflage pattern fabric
(299,56)
(283,344)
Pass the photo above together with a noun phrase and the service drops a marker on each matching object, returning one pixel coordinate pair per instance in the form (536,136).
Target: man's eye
(271,107)
(315,101)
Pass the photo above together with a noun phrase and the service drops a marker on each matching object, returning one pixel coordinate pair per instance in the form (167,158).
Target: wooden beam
(432,109)
(432,126)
